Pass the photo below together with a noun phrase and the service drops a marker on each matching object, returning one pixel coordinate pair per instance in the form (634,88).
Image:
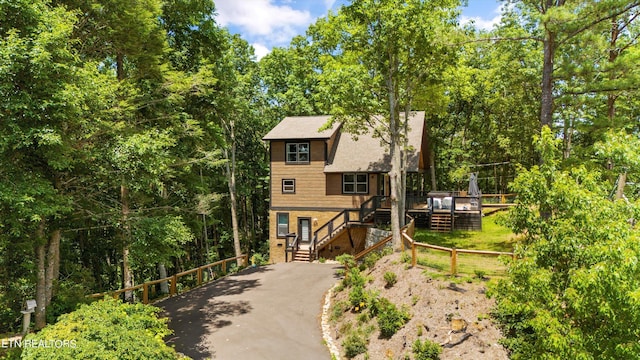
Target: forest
(130,131)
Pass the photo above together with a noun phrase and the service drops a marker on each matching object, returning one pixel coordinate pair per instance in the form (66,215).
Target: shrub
(259,259)
(354,278)
(357,297)
(354,345)
(480,274)
(390,278)
(427,350)
(107,329)
(347,260)
(405,258)
(371,259)
(338,309)
(390,319)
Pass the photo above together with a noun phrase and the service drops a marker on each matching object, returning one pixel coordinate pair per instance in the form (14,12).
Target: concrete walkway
(268,312)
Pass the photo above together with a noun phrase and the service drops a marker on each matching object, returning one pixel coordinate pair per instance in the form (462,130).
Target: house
(327,185)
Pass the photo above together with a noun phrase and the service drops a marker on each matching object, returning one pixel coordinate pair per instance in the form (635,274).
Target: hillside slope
(435,307)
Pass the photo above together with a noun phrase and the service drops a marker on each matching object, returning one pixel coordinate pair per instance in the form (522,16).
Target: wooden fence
(453,253)
(173,280)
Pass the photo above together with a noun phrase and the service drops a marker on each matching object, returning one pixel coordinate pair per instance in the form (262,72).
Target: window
(297,153)
(288,186)
(283,224)
(355,183)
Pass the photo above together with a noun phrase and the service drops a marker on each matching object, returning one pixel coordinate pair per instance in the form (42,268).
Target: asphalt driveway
(268,312)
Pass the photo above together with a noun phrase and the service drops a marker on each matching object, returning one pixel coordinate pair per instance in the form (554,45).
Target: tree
(106,329)
(561,21)
(572,292)
(377,55)
(47,99)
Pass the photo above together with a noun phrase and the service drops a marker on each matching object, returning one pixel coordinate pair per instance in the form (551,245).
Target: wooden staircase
(441,222)
(301,256)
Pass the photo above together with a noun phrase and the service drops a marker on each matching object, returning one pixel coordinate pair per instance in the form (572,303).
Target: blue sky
(271,23)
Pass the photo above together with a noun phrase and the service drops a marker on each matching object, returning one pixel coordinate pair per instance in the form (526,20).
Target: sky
(273,23)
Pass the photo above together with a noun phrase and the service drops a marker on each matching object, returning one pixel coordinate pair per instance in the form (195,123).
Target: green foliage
(106,329)
(338,309)
(573,292)
(390,318)
(370,260)
(426,350)
(259,259)
(390,278)
(354,345)
(405,258)
(347,260)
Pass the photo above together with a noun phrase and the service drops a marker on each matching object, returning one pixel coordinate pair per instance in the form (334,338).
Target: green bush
(259,259)
(390,278)
(347,260)
(357,297)
(107,329)
(354,278)
(354,345)
(427,350)
(370,260)
(390,319)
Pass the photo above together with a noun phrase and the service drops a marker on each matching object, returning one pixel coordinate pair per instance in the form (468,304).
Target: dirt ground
(436,306)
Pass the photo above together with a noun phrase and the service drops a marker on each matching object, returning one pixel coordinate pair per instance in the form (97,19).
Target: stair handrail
(366,209)
(330,227)
(294,246)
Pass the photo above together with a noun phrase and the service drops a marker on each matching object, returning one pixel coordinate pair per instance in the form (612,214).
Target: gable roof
(369,154)
(366,154)
(301,127)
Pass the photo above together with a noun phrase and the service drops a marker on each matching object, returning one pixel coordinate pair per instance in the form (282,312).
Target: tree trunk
(41,296)
(231,179)
(395,176)
(546,109)
(162,272)
(127,274)
(53,265)
(622,182)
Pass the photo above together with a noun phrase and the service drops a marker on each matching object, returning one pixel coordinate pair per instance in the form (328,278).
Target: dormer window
(298,153)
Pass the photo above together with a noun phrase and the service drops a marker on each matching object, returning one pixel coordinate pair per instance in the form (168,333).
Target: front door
(304,230)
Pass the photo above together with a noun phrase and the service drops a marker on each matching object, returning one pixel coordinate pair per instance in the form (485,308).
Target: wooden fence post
(224,266)
(199,275)
(414,257)
(174,285)
(145,293)
(454,261)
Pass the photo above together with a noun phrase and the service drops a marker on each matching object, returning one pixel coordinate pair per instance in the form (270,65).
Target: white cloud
(482,23)
(260,50)
(262,18)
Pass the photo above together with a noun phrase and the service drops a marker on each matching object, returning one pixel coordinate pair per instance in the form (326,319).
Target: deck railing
(173,280)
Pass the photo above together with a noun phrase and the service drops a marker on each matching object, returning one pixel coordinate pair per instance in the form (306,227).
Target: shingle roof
(368,154)
(301,127)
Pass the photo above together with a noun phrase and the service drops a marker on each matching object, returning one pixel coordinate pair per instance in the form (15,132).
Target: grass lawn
(493,237)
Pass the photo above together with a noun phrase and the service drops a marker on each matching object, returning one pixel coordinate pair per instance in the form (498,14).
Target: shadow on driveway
(267,312)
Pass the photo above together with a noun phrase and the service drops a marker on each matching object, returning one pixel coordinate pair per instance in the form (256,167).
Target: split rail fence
(408,243)
(199,272)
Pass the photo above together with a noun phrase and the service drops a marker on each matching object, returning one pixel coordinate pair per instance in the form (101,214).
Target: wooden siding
(277,245)
(342,244)
(314,188)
